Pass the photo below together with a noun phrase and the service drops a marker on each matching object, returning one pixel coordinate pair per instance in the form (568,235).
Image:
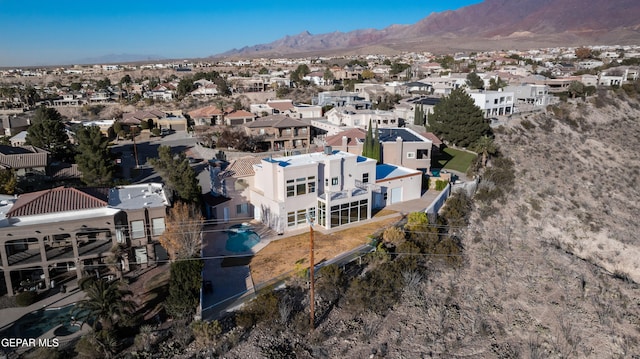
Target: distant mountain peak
(481,26)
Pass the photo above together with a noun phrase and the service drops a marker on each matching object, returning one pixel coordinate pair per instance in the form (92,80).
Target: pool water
(241,241)
(39,322)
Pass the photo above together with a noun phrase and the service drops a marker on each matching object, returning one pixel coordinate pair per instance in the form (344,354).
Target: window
(291,219)
(312,186)
(242,208)
(291,191)
(158,226)
(334,181)
(301,188)
(137,229)
(365,177)
(411,155)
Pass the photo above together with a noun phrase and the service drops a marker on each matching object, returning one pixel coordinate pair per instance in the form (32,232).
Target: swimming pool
(36,323)
(241,240)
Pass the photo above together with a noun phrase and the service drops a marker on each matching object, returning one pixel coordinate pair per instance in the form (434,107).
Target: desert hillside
(549,270)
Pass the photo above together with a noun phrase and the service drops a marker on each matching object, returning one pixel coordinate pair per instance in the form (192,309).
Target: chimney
(399,150)
(345,141)
(328,150)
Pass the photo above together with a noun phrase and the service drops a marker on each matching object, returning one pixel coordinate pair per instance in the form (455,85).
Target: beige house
(280,132)
(59,234)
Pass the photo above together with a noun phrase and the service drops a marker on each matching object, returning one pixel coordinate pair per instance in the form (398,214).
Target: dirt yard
(291,253)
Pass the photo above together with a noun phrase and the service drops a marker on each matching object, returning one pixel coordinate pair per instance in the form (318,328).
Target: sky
(63,32)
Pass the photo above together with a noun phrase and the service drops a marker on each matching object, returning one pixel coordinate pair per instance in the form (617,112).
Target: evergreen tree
(458,120)
(8,181)
(93,158)
(418,116)
(375,145)
(184,286)
(47,132)
(474,81)
(177,174)
(368,140)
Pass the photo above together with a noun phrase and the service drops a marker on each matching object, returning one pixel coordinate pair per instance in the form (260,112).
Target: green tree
(125,80)
(178,174)
(8,181)
(48,132)
(93,158)
(474,81)
(419,116)
(185,86)
(298,74)
(485,146)
(103,84)
(496,84)
(328,75)
(576,89)
(75,86)
(184,288)
(263,71)
(105,304)
(371,146)
(458,120)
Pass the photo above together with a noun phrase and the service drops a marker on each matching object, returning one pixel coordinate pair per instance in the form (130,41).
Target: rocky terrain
(550,271)
(489,25)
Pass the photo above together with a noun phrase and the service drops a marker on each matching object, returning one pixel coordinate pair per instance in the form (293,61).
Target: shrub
(264,308)
(25,299)
(441,185)
(331,282)
(393,235)
(206,334)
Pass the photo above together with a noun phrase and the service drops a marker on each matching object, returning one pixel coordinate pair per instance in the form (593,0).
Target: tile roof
(240,114)
(59,199)
(136,117)
(276,121)
(281,105)
(23,157)
(206,112)
(65,171)
(352,134)
(243,166)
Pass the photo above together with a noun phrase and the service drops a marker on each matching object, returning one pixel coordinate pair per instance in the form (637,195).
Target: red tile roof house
(207,116)
(239,117)
(62,234)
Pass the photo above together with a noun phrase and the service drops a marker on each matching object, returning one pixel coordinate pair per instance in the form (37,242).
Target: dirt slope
(547,273)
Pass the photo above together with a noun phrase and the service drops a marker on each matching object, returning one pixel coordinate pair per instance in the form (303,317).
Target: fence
(432,210)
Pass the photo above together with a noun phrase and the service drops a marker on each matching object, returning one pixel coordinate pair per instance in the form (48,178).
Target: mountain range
(492,24)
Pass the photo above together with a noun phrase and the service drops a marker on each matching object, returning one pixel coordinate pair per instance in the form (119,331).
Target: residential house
(238,117)
(332,188)
(12,124)
(350,117)
(230,190)
(278,132)
(19,140)
(45,235)
(341,99)
(399,146)
(162,92)
(25,160)
(328,187)
(530,94)
(207,116)
(493,103)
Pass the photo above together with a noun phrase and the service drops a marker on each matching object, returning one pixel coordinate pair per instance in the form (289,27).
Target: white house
(493,103)
(333,188)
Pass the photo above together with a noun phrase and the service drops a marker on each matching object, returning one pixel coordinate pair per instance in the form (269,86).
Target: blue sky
(59,32)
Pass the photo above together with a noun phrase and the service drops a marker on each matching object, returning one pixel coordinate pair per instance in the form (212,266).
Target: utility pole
(135,149)
(311,277)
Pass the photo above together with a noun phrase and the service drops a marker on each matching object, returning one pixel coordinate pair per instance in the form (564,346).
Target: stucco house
(280,132)
(61,233)
(332,187)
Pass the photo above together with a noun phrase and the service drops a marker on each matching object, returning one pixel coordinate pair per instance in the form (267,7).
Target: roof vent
(328,150)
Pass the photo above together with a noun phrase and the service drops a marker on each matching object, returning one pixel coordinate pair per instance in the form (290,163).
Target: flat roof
(407,135)
(137,196)
(309,158)
(389,172)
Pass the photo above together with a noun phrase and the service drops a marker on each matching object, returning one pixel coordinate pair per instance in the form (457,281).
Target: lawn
(456,160)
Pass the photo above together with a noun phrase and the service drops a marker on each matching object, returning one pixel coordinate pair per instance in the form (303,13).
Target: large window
(334,181)
(242,208)
(301,186)
(299,217)
(158,226)
(346,213)
(137,229)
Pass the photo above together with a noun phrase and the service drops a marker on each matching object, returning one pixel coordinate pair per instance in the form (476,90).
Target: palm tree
(106,303)
(487,147)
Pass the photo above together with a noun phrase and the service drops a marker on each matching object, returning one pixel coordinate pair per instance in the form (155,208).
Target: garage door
(396,195)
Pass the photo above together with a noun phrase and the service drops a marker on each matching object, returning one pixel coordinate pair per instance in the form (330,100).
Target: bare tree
(182,236)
